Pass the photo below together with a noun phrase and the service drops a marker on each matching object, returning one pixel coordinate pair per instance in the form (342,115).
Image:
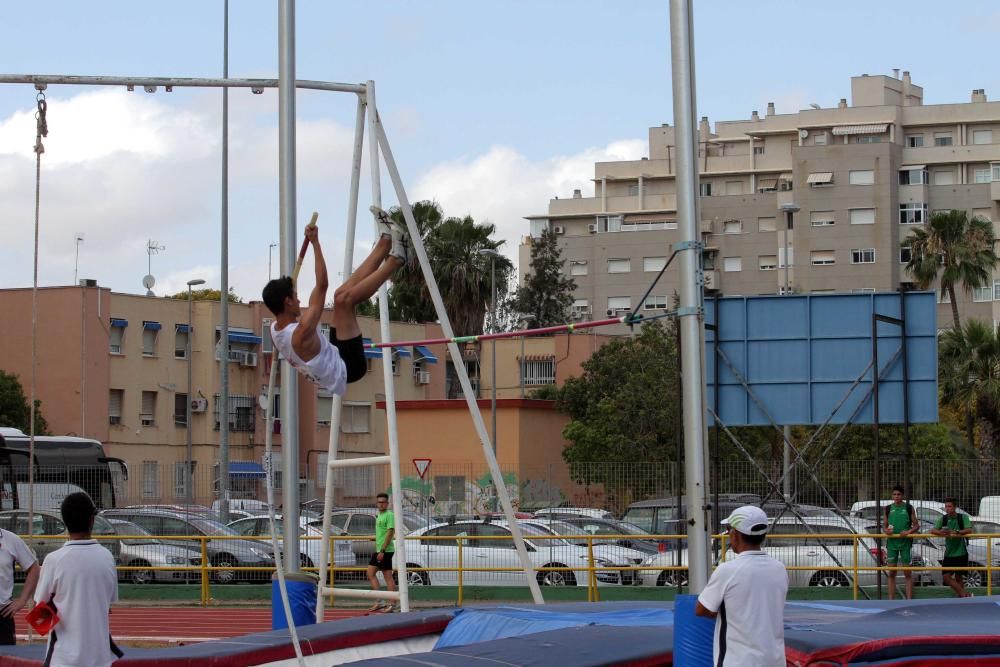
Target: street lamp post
(493,254)
(789,209)
(187,353)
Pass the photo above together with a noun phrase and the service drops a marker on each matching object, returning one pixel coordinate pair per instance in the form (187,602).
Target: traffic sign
(421,465)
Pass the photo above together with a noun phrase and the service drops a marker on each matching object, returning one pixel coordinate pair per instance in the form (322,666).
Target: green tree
(969,378)
(409,296)
(15,411)
(954,249)
(206,295)
(547,292)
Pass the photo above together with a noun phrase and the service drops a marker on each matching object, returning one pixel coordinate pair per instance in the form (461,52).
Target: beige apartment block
(863,177)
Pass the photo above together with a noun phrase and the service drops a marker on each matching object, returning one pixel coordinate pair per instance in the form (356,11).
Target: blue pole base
(694,636)
(301,599)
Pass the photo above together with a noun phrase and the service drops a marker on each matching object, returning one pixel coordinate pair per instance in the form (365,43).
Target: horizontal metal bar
(175,82)
(357,463)
(360,593)
(888,320)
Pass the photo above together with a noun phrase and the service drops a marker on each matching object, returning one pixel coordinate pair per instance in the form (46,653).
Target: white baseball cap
(749,520)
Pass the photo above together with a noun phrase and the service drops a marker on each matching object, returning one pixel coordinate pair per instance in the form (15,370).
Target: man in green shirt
(953,527)
(384,549)
(901,520)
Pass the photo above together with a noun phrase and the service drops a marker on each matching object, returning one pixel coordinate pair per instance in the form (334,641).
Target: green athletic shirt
(383,524)
(899,519)
(954,546)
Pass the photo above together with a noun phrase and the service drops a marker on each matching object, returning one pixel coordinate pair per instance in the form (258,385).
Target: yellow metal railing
(591,569)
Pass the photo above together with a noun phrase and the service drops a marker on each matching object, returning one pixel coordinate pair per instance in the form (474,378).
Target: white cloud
(503,185)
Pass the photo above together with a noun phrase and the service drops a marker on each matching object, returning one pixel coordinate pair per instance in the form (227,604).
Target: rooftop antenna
(76,265)
(152,248)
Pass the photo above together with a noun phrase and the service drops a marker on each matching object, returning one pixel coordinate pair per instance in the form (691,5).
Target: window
(861,177)
(355,418)
(869,139)
(767,224)
(982,175)
(150,479)
(538,226)
(819,139)
(996,170)
(944,177)
(578,268)
(905,254)
(241,412)
(180,409)
(609,223)
(266,344)
(758,150)
(648,225)
(449,488)
(980,294)
(996,290)
(650,264)
(821,218)
(538,372)
(731,264)
(732,227)
(619,265)
(617,304)
(767,262)
(705,189)
(115,400)
(863,256)
(149,333)
(181,341)
(324,407)
(914,140)
(942,138)
(654,302)
(180,479)
(982,136)
(822,257)
(913,176)
(633,190)
(862,216)
(912,214)
(734,187)
(820,179)
(147,413)
(581,307)
(115,338)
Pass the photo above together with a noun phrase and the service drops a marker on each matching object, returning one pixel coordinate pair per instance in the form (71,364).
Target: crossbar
(175,82)
(359,462)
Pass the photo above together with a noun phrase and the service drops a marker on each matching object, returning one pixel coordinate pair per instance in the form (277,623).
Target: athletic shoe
(400,247)
(392,608)
(386,226)
(378,606)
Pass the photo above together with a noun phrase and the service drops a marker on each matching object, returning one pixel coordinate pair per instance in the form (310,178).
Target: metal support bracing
(459,363)
(154,82)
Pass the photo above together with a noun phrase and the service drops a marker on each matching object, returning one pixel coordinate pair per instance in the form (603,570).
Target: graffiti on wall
(460,495)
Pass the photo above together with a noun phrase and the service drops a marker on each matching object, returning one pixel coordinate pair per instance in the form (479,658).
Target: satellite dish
(148,281)
(803,133)
(262,401)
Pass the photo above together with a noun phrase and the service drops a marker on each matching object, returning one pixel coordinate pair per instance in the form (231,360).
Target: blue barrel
(694,636)
(301,599)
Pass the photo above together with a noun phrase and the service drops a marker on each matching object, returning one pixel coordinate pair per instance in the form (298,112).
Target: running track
(190,624)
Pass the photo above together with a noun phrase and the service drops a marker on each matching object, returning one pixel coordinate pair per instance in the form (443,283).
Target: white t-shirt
(81,575)
(748,592)
(12,550)
(326,369)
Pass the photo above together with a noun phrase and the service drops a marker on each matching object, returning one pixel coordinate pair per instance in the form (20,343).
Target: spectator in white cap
(746,597)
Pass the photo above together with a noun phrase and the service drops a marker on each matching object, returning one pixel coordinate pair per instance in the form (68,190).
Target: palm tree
(409,299)
(955,250)
(969,376)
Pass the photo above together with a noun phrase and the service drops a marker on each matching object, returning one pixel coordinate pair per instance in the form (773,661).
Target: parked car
(661,516)
(49,522)
(260,526)
(563,512)
(621,533)
(496,553)
(989,508)
(251,506)
(602,550)
(926,510)
(360,522)
(224,553)
(151,552)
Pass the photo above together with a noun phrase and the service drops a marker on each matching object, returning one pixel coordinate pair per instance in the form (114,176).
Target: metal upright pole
(907,450)
(875,443)
(690,313)
(289,238)
(224,287)
(493,372)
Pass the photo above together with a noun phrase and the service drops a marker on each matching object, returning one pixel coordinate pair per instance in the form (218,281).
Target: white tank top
(326,369)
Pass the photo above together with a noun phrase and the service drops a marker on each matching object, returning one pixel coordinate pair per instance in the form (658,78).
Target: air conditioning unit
(706,227)
(250,360)
(199,404)
(558,229)
(422,377)
(592,228)
(712,280)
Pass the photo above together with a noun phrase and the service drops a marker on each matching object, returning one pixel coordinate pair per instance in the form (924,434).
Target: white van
(989,508)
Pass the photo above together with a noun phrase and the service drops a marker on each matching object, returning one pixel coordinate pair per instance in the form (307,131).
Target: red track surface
(187,624)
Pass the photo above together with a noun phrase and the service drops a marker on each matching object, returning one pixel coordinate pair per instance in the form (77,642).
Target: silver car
(149,553)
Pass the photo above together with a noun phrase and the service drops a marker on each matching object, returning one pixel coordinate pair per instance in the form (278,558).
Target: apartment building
(858,177)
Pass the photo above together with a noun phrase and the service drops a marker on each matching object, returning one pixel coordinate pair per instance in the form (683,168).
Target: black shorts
(386,563)
(955,561)
(352,351)
(6,631)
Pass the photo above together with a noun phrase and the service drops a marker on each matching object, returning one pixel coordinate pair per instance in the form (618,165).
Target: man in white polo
(13,551)
(746,597)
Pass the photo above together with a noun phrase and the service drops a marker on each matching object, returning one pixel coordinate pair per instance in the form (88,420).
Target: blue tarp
(246,470)
(155,326)
(425,354)
(240,337)
(183,328)
(480,625)
(119,322)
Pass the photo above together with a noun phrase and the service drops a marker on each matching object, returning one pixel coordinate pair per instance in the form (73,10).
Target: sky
(491,109)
